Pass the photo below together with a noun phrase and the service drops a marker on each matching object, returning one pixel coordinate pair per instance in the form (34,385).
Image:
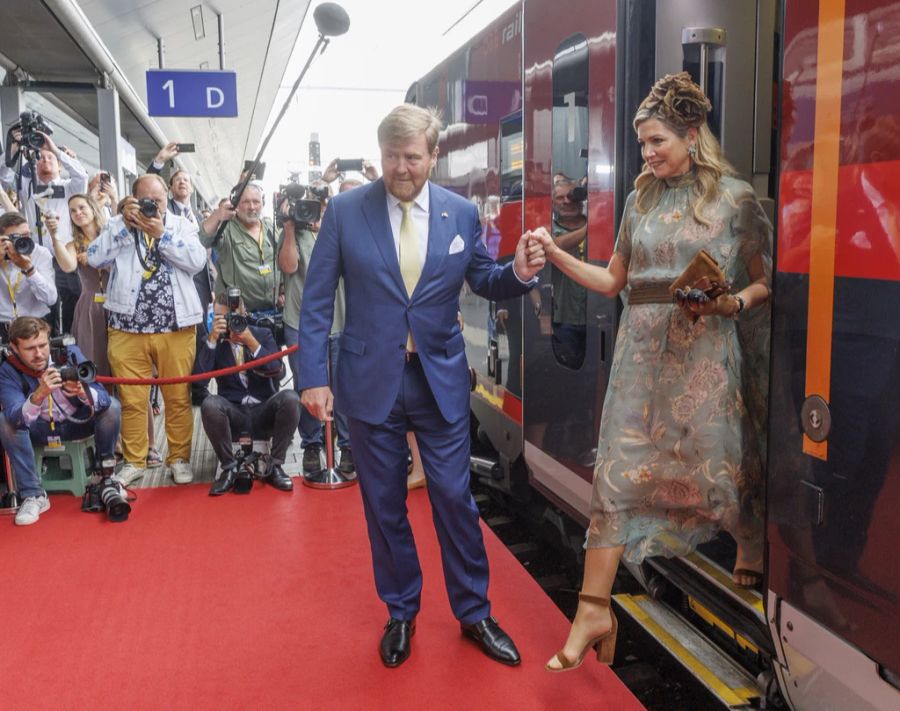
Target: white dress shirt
(419,214)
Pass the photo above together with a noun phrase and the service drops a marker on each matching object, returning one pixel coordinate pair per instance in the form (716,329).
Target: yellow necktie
(410,261)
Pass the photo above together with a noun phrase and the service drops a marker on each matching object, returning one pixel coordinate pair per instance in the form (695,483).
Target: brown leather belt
(650,293)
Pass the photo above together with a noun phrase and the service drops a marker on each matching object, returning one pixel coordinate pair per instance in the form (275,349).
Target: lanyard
(151,263)
(50,412)
(12,289)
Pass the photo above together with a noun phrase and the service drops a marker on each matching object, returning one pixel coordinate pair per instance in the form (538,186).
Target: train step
(736,612)
(726,681)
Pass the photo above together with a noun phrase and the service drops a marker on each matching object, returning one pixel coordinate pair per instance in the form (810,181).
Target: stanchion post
(10,502)
(329,477)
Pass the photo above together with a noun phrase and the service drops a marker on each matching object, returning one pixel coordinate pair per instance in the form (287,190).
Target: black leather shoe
(346,466)
(224,483)
(396,641)
(277,478)
(312,459)
(493,641)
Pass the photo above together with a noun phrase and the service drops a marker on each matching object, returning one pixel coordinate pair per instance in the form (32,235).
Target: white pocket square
(457,245)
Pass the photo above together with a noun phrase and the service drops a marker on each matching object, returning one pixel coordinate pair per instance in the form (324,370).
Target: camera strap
(151,263)
(13,289)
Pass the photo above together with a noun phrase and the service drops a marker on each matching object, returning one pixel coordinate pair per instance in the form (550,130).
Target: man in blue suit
(404,246)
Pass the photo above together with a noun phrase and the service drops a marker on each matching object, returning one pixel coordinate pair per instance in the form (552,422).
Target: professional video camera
(304,202)
(106,494)
(32,125)
(235,321)
(69,370)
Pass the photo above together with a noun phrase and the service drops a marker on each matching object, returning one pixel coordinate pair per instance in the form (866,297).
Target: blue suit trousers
(380,453)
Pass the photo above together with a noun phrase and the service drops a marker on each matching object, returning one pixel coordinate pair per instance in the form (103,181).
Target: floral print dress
(682,436)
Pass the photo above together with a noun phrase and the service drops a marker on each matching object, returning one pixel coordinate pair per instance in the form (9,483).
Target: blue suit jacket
(355,241)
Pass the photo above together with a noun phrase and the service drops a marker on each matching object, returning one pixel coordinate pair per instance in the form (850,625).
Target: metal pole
(221,23)
(329,477)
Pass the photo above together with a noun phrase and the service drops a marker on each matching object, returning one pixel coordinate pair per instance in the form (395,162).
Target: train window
(512,152)
(569,196)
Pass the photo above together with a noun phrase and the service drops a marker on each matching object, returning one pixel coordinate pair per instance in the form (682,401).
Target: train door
(834,464)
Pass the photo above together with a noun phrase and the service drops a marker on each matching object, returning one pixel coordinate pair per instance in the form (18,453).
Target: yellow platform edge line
(732,697)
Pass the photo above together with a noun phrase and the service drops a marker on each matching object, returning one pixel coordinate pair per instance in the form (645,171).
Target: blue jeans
(311,430)
(18,443)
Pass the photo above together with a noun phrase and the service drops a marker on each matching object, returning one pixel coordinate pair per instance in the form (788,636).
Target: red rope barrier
(197,376)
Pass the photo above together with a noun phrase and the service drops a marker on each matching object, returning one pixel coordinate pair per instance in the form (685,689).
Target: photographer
(152,307)
(27,272)
(245,253)
(294,253)
(47,403)
(44,195)
(248,401)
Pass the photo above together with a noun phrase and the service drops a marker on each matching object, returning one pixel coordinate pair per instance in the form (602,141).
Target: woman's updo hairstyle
(680,104)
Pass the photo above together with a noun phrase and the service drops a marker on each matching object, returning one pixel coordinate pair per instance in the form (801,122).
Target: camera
(69,370)
(24,245)
(32,124)
(148,207)
(577,194)
(106,494)
(235,321)
(304,203)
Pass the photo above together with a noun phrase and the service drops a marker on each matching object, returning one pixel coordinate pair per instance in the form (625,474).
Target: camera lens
(23,245)
(148,207)
(237,323)
(117,508)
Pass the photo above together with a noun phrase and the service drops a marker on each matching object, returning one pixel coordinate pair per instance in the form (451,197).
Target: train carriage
(806,105)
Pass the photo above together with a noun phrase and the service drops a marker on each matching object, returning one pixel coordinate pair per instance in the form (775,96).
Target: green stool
(66,468)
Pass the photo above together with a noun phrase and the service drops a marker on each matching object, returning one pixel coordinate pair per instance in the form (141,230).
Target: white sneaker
(130,473)
(31,509)
(181,472)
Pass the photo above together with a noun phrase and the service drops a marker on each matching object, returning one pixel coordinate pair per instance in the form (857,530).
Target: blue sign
(182,92)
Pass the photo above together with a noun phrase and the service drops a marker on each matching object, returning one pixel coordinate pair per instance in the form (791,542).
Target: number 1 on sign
(170,87)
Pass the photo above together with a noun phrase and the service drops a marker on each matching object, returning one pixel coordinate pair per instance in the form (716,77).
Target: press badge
(265,269)
(54,442)
(99,298)
(147,274)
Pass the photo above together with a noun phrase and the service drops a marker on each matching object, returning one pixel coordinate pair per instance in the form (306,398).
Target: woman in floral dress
(682,440)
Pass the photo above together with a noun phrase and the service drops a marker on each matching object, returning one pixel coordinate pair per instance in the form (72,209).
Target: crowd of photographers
(147,287)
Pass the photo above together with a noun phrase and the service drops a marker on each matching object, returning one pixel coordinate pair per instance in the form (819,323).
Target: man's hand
(370,171)
(49,381)
(219,326)
(319,402)
(49,144)
(247,339)
(22,261)
(166,153)
(73,388)
(131,213)
(331,172)
(530,257)
(223,212)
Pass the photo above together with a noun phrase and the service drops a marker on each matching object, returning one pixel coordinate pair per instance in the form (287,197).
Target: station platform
(263,601)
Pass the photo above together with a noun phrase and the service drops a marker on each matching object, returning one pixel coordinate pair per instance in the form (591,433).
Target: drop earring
(692,150)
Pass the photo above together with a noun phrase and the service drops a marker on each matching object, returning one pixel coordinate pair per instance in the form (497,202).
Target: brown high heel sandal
(604,644)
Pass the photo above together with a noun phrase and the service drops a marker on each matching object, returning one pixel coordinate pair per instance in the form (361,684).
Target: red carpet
(257,602)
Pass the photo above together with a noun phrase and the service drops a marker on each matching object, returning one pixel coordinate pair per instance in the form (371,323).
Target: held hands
(550,247)
(530,257)
(131,213)
(319,402)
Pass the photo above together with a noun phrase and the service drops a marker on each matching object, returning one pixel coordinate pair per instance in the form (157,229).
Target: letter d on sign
(214,94)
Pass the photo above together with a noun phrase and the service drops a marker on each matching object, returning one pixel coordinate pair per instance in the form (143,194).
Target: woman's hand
(52,222)
(82,258)
(550,247)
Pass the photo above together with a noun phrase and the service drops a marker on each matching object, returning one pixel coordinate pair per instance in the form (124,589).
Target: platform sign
(183,92)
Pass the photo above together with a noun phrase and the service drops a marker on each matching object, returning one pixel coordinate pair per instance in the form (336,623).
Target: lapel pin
(444,214)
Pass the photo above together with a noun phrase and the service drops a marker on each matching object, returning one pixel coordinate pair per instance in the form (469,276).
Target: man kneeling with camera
(48,398)
(248,402)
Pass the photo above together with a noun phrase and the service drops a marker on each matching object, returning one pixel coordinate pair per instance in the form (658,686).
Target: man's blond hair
(408,121)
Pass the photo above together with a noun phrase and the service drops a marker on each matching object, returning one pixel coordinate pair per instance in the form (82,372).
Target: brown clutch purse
(702,273)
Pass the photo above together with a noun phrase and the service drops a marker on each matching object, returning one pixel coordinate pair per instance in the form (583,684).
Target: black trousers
(277,417)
